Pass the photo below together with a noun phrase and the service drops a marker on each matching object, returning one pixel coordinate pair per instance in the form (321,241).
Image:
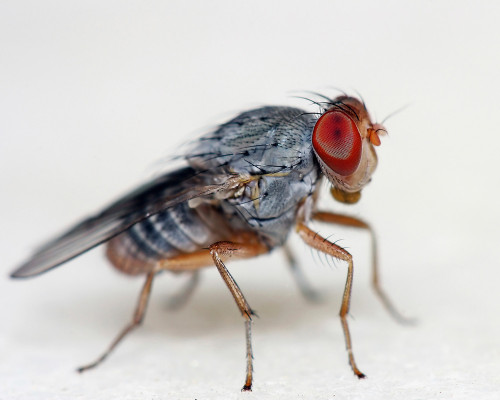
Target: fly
(243,189)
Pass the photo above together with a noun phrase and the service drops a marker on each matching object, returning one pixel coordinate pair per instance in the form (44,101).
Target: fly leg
(216,254)
(223,250)
(304,286)
(317,242)
(180,299)
(136,321)
(345,220)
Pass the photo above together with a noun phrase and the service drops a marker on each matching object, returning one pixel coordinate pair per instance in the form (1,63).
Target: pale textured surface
(91,97)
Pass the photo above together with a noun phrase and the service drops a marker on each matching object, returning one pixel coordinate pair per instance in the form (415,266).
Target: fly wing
(164,192)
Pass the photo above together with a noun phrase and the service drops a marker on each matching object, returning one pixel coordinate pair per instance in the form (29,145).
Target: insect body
(244,188)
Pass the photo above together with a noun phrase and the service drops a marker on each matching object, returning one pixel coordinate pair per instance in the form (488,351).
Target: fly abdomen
(177,230)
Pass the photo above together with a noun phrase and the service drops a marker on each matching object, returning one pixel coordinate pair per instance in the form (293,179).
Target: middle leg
(224,250)
(304,286)
(216,254)
(181,298)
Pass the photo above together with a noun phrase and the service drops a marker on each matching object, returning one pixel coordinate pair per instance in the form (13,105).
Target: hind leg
(134,323)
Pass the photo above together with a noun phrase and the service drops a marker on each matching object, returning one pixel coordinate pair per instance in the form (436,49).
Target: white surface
(93,95)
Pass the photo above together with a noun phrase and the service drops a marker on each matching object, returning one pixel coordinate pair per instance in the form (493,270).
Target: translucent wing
(164,192)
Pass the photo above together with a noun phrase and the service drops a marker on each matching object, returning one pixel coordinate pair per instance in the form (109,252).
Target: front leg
(319,243)
(345,220)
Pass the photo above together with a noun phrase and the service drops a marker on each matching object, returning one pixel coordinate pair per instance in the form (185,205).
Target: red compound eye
(337,142)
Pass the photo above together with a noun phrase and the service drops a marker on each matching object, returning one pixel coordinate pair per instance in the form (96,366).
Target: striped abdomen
(175,231)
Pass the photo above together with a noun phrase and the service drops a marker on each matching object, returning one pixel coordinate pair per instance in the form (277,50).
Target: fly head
(344,140)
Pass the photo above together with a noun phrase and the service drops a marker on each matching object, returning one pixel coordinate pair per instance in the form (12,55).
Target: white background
(94,95)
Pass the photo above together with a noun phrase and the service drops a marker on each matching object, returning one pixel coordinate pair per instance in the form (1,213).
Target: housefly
(244,187)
